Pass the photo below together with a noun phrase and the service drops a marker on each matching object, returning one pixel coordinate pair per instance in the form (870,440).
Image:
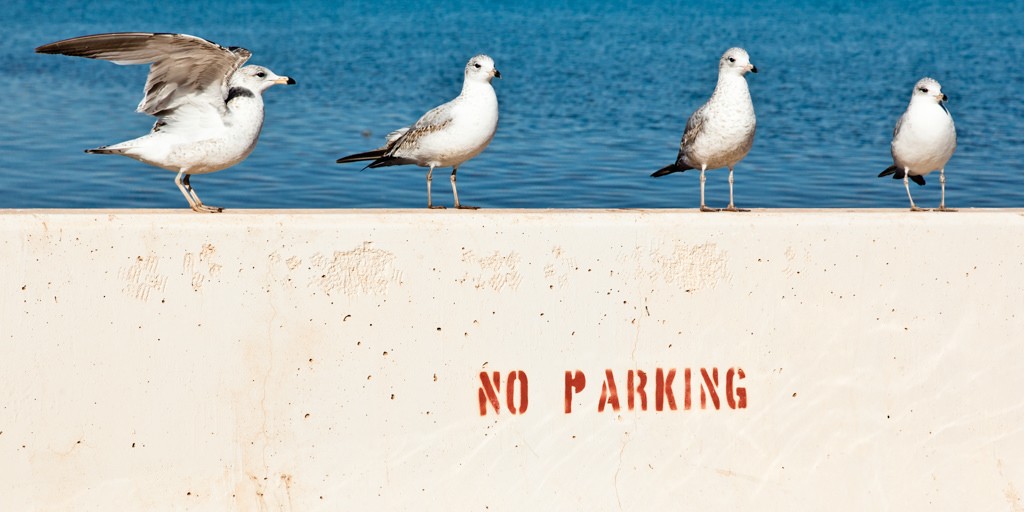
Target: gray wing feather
(899,124)
(433,121)
(694,127)
(394,136)
(181,66)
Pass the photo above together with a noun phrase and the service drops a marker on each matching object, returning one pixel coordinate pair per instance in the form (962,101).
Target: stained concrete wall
(511,360)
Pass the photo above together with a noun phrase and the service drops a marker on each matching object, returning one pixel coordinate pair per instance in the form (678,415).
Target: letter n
(710,383)
(488,391)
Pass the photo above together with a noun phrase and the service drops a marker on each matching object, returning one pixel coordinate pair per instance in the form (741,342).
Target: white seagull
(209,109)
(720,132)
(448,135)
(924,140)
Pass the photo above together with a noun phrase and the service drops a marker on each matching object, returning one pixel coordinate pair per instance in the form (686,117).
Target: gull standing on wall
(721,132)
(448,135)
(924,140)
(209,109)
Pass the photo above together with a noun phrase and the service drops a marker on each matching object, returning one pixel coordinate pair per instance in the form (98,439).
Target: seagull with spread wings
(209,108)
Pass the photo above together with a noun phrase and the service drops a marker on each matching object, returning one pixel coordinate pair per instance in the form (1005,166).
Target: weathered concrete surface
(288,360)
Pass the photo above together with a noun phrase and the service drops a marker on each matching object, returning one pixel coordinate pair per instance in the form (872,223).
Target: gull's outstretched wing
(183,69)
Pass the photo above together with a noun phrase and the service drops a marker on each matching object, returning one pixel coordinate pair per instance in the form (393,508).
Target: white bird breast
(926,139)
(472,126)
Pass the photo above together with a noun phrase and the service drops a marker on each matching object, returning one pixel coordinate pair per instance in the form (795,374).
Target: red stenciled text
(635,390)
(490,391)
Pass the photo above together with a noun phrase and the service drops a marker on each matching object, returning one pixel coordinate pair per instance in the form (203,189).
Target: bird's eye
(732,59)
(923,89)
(261,74)
(477,65)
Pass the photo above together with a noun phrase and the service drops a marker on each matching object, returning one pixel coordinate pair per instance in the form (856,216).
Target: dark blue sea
(594,97)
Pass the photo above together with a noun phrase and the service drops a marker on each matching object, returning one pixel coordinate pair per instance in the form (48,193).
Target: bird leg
(455,193)
(704,207)
(181,186)
(942,200)
(182,181)
(906,184)
(190,194)
(430,203)
(732,207)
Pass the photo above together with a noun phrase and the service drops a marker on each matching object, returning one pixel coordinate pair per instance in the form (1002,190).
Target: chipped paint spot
(142,277)
(363,270)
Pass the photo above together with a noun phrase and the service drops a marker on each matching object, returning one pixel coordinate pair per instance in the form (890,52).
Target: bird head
(736,60)
(928,88)
(482,68)
(258,78)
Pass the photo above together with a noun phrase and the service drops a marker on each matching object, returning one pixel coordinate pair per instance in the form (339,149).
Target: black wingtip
(669,169)
(50,49)
(898,173)
(892,169)
(360,157)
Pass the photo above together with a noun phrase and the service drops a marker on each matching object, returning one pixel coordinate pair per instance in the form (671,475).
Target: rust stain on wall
(363,270)
(142,277)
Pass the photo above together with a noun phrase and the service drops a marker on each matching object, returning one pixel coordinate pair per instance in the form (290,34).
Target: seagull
(721,131)
(448,135)
(924,140)
(209,110)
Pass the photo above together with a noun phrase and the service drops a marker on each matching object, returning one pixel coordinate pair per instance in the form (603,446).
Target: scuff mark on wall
(792,265)
(193,265)
(497,270)
(363,270)
(690,267)
(142,277)
(559,270)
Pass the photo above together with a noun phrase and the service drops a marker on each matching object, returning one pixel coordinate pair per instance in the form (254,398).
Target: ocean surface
(593,97)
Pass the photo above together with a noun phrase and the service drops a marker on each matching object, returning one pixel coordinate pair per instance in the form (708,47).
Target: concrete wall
(511,360)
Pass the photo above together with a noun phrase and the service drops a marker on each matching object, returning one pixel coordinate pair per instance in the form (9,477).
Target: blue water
(594,97)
